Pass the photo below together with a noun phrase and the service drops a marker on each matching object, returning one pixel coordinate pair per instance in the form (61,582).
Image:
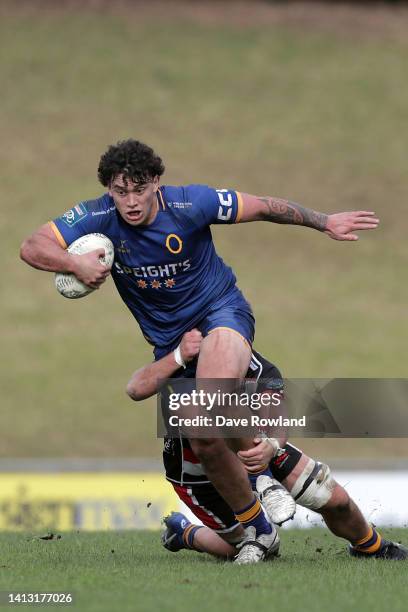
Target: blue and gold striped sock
(370,544)
(265,471)
(188,535)
(253,515)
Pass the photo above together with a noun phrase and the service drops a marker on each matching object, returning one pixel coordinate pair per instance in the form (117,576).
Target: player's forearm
(42,253)
(278,210)
(145,382)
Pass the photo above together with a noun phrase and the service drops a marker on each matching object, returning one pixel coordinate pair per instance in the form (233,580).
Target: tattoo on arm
(284,211)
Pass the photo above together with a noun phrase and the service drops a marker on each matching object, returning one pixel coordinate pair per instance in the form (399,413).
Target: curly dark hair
(135,160)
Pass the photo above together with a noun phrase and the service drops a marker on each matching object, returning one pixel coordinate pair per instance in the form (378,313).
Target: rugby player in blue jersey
(309,482)
(169,275)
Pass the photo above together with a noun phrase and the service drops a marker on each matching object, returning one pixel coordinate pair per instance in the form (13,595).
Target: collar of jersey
(161,202)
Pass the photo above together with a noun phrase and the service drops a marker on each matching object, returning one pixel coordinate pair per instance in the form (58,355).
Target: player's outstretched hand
(342,226)
(89,269)
(190,344)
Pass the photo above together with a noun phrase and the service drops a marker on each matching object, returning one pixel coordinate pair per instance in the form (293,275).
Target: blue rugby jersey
(167,273)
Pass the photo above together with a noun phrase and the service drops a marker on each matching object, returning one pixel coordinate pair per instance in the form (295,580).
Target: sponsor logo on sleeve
(75,214)
(225,207)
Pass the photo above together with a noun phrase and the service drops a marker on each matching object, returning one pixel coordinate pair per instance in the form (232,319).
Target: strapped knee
(314,487)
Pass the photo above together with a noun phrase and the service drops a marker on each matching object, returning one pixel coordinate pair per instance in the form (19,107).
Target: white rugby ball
(67,284)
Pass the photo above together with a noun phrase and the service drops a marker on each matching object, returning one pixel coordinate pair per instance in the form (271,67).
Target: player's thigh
(211,509)
(223,354)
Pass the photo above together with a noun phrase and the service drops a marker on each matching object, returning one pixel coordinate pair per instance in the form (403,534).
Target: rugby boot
(172,537)
(254,549)
(388,550)
(277,501)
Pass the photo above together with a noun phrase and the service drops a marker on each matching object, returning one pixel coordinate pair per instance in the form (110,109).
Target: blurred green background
(309,105)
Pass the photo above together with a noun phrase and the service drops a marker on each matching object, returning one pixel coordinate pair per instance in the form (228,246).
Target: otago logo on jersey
(174,244)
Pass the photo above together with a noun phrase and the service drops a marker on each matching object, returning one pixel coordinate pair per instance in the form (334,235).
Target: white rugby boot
(254,549)
(277,501)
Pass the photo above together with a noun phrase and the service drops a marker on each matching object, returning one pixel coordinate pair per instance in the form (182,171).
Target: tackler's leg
(180,534)
(313,486)
(219,532)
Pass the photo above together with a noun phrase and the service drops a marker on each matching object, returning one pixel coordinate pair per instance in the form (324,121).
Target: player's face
(136,203)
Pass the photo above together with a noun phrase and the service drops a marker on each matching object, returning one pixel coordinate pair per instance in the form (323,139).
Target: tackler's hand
(190,344)
(260,455)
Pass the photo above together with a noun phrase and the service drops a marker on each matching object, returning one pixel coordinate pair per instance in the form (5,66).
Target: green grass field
(130,571)
(303,109)
(304,103)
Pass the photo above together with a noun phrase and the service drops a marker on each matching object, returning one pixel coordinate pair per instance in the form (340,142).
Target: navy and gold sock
(370,544)
(188,535)
(264,471)
(253,515)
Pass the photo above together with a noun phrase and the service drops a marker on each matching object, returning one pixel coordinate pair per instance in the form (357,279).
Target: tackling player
(309,482)
(168,273)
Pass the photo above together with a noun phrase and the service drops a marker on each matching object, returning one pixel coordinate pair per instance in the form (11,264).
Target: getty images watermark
(224,408)
(209,400)
(215,401)
(335,407)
